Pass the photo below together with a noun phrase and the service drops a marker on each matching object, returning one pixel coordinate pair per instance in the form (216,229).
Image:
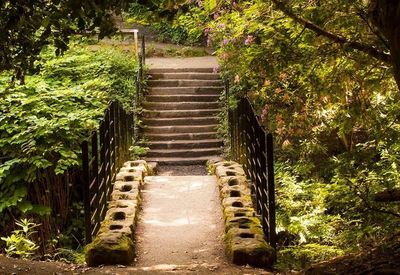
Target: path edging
(244,238)
(114,242)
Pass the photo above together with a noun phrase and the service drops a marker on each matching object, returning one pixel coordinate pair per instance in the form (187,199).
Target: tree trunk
(388,195)
(385,15)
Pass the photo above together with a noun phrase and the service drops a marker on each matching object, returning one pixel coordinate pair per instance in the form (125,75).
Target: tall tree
(385,16)
(27,26)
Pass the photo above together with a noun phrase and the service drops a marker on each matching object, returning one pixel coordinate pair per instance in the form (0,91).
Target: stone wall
(114,241)
(244,238)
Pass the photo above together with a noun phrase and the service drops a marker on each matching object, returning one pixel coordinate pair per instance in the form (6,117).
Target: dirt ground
(11,266)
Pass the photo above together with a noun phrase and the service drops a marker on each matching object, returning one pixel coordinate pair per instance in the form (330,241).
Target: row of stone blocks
(244,238)
(114,241)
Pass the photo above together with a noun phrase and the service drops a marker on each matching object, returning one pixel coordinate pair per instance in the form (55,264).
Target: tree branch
(389,195)
(365,48)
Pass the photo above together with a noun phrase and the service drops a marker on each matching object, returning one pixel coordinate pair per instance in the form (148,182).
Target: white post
(135,32)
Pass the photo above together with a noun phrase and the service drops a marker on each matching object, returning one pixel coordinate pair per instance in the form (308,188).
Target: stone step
(181,70)
(180,105)
(184,83)
(180,129)
(163,153)
(186,90)
(180,113)
(180,136)
(184,98)
(185,75)
(183,161)
(185,144)
(180,121)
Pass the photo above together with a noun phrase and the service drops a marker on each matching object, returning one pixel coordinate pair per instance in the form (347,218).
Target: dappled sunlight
(181,217)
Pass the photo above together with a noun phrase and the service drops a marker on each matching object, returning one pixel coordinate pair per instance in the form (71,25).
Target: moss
(108,251)
(116,247)
(254,251)
(253,224)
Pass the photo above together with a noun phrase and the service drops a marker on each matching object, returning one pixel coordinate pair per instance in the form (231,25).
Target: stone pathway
(181,222)
(180,229)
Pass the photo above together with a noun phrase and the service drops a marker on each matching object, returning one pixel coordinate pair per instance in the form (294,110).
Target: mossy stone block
(112,249)
(243,247)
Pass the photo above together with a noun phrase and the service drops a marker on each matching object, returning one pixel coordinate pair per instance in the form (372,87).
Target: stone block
(126,186)
(121,214)
(234,191)
(239,212)
(110,249)
(114,241)
(236,202)
(244,238)
(122,203)
(222,171)
(152,168)
(130,176)
(245,247)
(245,222)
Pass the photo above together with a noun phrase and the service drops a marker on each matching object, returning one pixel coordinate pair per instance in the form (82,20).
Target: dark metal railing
(102,154)
(105,151)
(252,147)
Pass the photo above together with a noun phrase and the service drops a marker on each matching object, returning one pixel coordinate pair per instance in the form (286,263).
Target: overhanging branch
(365,48)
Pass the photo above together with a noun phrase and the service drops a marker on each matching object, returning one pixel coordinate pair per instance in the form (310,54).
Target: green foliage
(19,243)
(156,8)
(300,257)
(44,121)
(137,151)
(185,27)
(333,110)
(26,27)
(68,256)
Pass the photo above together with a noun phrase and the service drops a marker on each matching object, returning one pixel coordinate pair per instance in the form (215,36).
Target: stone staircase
(180,116)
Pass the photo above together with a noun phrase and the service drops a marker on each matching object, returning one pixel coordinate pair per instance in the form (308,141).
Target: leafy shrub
(184,27)
(20,243)
(300,257)
(42,124)
(136,151)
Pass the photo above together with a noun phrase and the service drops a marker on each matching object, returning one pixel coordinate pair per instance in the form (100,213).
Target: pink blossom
(249,40)
(215,70)
(225,41)
(264,114)
(237,79)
